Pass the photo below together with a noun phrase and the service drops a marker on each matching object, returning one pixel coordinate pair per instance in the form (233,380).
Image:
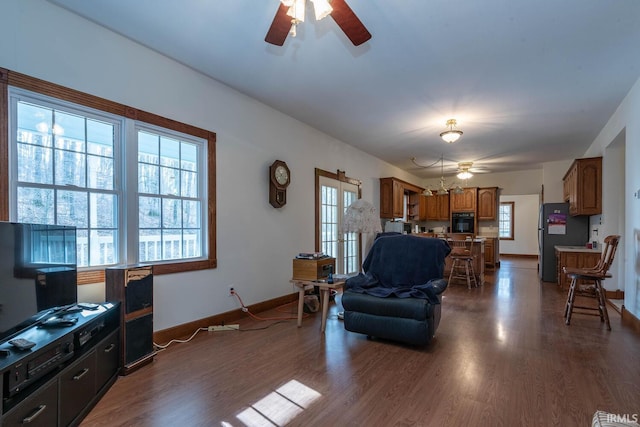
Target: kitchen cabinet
(487,204)
(490,248)
(574,257)
(391,198)
(415,208)
(437,207)
(582,186)
(392,202)
(465,201)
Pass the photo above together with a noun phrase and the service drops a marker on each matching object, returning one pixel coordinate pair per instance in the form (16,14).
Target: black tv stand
(59,380)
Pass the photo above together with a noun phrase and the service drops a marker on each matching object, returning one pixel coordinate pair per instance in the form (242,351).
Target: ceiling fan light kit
(464,173)
(451,134)
(292,12)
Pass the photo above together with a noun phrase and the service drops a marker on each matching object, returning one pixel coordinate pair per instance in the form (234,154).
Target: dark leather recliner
(398,296)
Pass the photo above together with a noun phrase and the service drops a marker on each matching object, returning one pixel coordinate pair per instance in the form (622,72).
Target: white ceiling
(528,81)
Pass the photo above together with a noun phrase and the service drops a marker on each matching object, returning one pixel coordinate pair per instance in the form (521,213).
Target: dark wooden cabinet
(77,387)
(582,186)
(39,409)
(487,204)
(465,201)
(107,357)
(62,393)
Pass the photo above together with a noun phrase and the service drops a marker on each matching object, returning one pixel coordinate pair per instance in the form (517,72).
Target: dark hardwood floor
(502,356)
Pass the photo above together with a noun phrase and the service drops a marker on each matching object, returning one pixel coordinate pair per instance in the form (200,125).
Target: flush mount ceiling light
(451,134)
(463,168)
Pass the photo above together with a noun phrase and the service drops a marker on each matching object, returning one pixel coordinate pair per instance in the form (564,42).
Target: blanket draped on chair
(403,266)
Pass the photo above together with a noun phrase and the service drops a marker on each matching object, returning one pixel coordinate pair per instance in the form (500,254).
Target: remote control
(21,343)
(88,305)
(59,321)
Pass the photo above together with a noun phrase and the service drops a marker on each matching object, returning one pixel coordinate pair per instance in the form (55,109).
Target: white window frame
(125,169)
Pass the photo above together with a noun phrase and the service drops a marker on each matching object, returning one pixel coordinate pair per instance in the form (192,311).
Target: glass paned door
(335,197)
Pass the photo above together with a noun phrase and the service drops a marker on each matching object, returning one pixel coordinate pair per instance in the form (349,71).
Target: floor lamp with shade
(361,217)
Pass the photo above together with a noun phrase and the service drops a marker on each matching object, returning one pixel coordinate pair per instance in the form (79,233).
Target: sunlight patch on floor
(279,407)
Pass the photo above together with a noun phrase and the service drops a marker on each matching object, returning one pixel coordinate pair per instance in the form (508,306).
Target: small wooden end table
(325,288)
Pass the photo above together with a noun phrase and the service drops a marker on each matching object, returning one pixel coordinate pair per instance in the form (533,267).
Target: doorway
(334,193)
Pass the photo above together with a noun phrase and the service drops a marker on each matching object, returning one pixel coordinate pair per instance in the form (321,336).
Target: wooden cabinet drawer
(39,409)
(107,352)
(77,387)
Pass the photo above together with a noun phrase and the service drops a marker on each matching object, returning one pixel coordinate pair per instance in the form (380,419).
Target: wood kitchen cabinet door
(487,203)
(464,202)
(582,186)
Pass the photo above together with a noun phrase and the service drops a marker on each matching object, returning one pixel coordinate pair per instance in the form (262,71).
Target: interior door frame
(338,176)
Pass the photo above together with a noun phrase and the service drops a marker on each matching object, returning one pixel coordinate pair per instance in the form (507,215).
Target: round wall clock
(279,180)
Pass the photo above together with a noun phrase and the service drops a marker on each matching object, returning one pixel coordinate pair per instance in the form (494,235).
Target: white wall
(552,174)
(256,242)
(622,133)
(525,231)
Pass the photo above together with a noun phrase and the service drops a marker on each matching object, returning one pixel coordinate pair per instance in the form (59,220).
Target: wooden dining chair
(595,274)
(462,257)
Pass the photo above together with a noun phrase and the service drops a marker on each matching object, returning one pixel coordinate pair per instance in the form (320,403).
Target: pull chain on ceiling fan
(292,12)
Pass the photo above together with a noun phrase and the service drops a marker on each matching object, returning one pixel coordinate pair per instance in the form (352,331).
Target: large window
(505,220)
(139,188)
(65,174)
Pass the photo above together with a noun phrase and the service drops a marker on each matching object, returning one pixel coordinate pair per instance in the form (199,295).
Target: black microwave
(463,222)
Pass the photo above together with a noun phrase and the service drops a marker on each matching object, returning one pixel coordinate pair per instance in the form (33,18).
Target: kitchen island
(478,257)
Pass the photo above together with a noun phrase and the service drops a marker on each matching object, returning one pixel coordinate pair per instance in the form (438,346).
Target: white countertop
(577,249)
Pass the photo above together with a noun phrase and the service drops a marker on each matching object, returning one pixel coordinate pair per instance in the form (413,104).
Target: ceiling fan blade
(280,27)
(349,22)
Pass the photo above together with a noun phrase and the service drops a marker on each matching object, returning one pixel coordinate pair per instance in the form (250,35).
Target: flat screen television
(38,273)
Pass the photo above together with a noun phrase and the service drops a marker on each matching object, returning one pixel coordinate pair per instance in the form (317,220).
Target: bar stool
(462,259)
(596,275)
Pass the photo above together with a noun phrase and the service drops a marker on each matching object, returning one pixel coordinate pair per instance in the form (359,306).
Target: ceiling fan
(466,170)
(284,23)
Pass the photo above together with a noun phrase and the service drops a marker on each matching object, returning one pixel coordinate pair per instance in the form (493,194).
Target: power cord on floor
(245,309)
(162,347)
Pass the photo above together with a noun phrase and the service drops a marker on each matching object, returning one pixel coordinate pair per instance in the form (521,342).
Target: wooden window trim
(512,220)
(15,79)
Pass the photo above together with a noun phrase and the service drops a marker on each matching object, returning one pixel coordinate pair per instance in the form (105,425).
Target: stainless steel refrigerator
(557,228)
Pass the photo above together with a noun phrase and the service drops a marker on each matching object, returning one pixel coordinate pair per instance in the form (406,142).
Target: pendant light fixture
(442,187)
(451,134)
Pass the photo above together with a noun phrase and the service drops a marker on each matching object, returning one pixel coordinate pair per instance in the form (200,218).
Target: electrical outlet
(231,327)
(232,291)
